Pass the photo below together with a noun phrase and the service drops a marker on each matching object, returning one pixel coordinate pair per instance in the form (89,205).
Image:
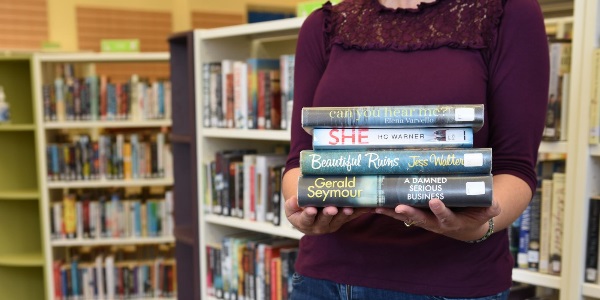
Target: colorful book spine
(399,138)
(408,116)
(254,65)
(387,161)
(392,190)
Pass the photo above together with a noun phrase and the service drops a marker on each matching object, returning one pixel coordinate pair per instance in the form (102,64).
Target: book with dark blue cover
(407,116)
(392,190)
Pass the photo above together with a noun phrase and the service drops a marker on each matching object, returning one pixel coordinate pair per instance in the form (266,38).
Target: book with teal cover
(407,116)
(397,138)
(392,161)
(392,190)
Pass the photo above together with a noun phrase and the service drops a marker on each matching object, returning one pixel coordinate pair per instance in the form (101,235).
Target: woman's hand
(311,221)
(465,224)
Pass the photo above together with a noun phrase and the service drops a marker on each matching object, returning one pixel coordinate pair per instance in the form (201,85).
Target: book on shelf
(393,190)
(266,251)
(287,64)
(533,243)
(545,225)
(248,94)
(592,239)
(264,207)
(110,276)
(560,61)
(227,88)
(249,190)
(214,282)
(288,258)
(232,261)
(81,217)
(513,239)
(557,222)
(242,266)
(255,66)
(398,138)
(408,116)
(240,94)
(111,156)
(93,97)
(224,184)
(396,161)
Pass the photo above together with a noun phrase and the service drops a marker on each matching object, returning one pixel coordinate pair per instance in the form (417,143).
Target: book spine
(240,94)
(400,138)
(552,124)
(591,258)
(392,190)
(545,221)
(409,116)
(533,247)
(426,161)
(557,222)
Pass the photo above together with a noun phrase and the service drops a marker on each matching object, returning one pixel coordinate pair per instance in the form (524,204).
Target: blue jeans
(306,288)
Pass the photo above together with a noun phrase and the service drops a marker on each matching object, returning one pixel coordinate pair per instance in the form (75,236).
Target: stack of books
(383,156)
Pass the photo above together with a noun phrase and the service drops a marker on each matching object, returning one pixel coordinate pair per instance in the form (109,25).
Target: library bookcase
(131,246)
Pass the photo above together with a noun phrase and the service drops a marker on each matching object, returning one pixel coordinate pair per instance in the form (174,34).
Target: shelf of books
(21,242)
(107,200)
(233,64)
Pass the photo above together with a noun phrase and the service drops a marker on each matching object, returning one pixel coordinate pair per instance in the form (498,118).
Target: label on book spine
(424,161)
(408,116)
(392,190)
(399,138)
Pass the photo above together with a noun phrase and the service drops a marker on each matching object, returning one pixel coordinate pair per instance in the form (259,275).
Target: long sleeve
(518,90)
(311,60)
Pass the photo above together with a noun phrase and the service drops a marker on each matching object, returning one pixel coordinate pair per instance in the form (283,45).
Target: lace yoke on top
(367,25)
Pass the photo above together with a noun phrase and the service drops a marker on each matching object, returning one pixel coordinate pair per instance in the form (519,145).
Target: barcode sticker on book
(464,114)
(473,159)
(475,188)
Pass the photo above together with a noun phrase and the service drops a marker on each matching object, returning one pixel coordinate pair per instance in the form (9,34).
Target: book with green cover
(392,161)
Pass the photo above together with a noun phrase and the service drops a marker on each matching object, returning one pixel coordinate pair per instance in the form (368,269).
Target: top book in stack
(407,116)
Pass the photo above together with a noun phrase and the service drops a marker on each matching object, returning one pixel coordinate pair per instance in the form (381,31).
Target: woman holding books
(410,52)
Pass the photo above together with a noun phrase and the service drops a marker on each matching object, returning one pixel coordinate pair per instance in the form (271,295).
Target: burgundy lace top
(358,52)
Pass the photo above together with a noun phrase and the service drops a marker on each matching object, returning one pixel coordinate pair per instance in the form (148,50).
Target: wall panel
(23,24)
(201,19)
(152,28)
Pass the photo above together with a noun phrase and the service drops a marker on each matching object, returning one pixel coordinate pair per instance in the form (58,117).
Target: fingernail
(379,210)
